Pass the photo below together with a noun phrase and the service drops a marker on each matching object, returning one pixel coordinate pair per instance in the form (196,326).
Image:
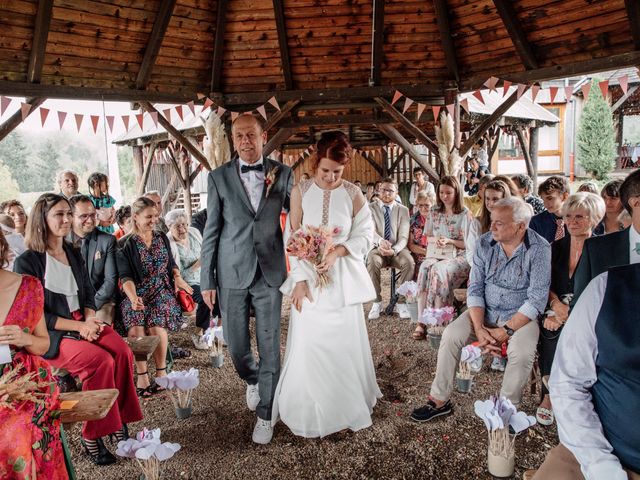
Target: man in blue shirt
(508,290)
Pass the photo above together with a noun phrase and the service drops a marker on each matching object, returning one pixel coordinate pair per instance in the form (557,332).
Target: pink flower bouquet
(312,244)
(437,319)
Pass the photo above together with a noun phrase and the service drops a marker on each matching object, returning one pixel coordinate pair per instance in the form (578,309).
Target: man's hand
(551,324)
(561,310)
(386,252)
(487,342)
(209,297)
(499,334)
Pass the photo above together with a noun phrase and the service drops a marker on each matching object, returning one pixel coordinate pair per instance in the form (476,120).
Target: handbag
(186,301)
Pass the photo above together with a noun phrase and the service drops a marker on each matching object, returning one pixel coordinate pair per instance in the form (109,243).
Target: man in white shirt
(421,183)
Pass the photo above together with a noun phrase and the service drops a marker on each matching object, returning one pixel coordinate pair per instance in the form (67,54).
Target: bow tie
(248,168)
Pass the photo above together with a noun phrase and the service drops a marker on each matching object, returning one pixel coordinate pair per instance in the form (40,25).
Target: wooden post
(525,151)
(185,164)
(142,183)
(138,166)
(533,153)
(385,159)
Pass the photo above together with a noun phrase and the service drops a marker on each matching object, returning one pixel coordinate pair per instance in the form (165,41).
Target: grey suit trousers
(267,305)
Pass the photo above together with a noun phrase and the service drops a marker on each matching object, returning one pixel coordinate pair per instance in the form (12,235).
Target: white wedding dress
(328,381)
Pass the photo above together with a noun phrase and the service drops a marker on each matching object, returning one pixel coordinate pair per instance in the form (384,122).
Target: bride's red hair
(334,146)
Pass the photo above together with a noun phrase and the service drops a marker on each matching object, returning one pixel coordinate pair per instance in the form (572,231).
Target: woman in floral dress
(450,223)
(417,241)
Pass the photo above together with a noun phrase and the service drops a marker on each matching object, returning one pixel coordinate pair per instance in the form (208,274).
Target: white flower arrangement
(214,338)
(148,452)
(180,385)
(409,290)
(469,357)
(437,319)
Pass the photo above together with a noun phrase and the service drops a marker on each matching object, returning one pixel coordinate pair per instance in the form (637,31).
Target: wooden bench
(88,405)
(143,347)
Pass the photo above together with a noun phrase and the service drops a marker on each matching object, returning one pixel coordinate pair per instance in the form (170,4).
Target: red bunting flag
(624,83)
(62,116)
(4,103)
(220,111)
(273,101)
(568,93)
(125,121)
(436,111)
(451,109)
(192,107)
(534,92)
(166,113)
(94,122)
(234,115)
(464,103)
(44,113)
(553,91)
(396,97)
(140,119)
(110,119)
(506,85)
(521,89)
(421,107)
(478,95)
(585,90)
(79,118)
(200,95)
(407,104)
(604,88)
(179,112)
(491,83)
(262,111)
(25,108)
(154,117)
(207,103)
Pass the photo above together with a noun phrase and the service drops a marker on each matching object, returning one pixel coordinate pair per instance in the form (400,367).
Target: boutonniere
(98,255)
(269,179)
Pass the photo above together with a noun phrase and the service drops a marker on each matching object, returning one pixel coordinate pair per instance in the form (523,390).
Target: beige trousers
(560,464)
(106,313)
(521,354)
(403,261)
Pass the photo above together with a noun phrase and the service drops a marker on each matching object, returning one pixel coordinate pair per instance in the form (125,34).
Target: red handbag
(186,301)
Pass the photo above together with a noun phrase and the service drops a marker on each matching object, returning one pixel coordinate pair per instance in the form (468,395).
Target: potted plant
(468,358)
(500,416)
(409,290)
(180,386)
(436,320)
(214,339)
(148,452)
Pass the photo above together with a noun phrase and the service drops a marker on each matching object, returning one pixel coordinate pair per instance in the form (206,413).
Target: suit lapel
(626,256)
(266,164)
(234,176)
(395,221)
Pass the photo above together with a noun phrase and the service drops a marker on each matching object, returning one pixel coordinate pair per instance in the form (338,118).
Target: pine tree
(9,188)
(14,153)
(596,136)
(46,167)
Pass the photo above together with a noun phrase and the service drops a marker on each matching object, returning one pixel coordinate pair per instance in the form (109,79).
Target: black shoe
(102,456)
(67,383)
(430,411)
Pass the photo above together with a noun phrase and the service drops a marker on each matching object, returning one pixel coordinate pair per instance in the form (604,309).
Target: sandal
(418,333)
(544,416)
(154,387)
(143,392)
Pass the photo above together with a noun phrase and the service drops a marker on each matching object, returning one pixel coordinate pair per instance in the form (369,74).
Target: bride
(328,381)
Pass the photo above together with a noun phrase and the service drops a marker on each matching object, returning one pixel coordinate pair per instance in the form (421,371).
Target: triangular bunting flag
(154,117)
(553,91)
(451,109)
(478,95)
(234,115)
(624,83)
(4,103)
(179,112)
(220,111)
(604,88)
(200,95)
(25,109)
(125,122)
(61,118)
(534,92)
(506,85)
(421,107)
(192,107)
(207,103)
(585,90)
(44,113)
(94,122)
(396,97)
(407,103)
(491,84)
(464,103)
(568,93)
(521,89)
(273,101)
(262,111)
(140,119)
(166,113)
(110,119)
(436,111)
(79,118)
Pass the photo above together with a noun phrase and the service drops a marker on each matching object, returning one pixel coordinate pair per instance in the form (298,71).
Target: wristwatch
(510,331)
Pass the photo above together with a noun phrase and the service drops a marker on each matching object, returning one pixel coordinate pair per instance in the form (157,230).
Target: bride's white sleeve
(298,270)
(360,238)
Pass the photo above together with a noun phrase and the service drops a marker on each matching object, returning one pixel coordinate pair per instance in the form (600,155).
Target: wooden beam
(147,169)
(442,17)
(184,141)
(276,118)
(624,98)
(525,151)
(510,20)
(397,137)
(39,45)
(195,173)
(218,46)
(408,125)
(278,9)
(155,41)
(176,168)
(337,120)
(299,162)
(534,133)
(375,166)
(494,145)
(377,48)
(633,12)
(278,139)
(488,123)
(14,120)
(398,159)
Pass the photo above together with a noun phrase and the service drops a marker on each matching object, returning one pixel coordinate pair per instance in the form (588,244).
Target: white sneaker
(199,343)
(402,310)
(498,364)
(253,397)
(374,313)
(262,432)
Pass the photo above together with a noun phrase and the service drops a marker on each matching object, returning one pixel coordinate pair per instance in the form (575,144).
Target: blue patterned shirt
(504,286)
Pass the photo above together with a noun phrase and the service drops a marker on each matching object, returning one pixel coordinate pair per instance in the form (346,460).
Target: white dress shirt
(572,376)
(253,182)
(634,239)
(413,193)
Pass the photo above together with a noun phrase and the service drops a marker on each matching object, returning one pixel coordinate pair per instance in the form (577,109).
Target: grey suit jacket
(399,224)
(236,238)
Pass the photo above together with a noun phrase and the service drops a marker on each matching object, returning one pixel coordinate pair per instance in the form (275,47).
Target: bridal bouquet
(312,244)
(148,452)
(437,319)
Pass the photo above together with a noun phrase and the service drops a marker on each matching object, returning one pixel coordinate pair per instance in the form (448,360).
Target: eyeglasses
(87,216)
(575,217)
(387,190)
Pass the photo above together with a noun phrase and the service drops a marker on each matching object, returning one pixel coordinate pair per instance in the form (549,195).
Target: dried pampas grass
(16,388)
(445,135)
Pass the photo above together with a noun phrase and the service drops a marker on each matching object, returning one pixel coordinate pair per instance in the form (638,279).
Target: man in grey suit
(98,250)
(390,240)
(243,258)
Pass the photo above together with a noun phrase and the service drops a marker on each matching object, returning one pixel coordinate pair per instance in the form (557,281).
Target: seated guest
(553,191)
(513,188)
(595,383)
(370,191)
(474,174)
(186,245)
(581,212)
(67,182)
(79,343)
(449,223)
(474,203)
(15,240)
(150,280)
(123,219)
(525,186)
(420,183)
(611,196)
(417,241)
(98,250)
(602,252)
(494,191)
(508,290)
(588,187)
(154,196)
(390,238)
(104,203)
(358,184)
(16,211)
(199,220)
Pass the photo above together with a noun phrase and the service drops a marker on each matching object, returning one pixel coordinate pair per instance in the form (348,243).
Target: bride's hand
(300,292)
(327,263)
